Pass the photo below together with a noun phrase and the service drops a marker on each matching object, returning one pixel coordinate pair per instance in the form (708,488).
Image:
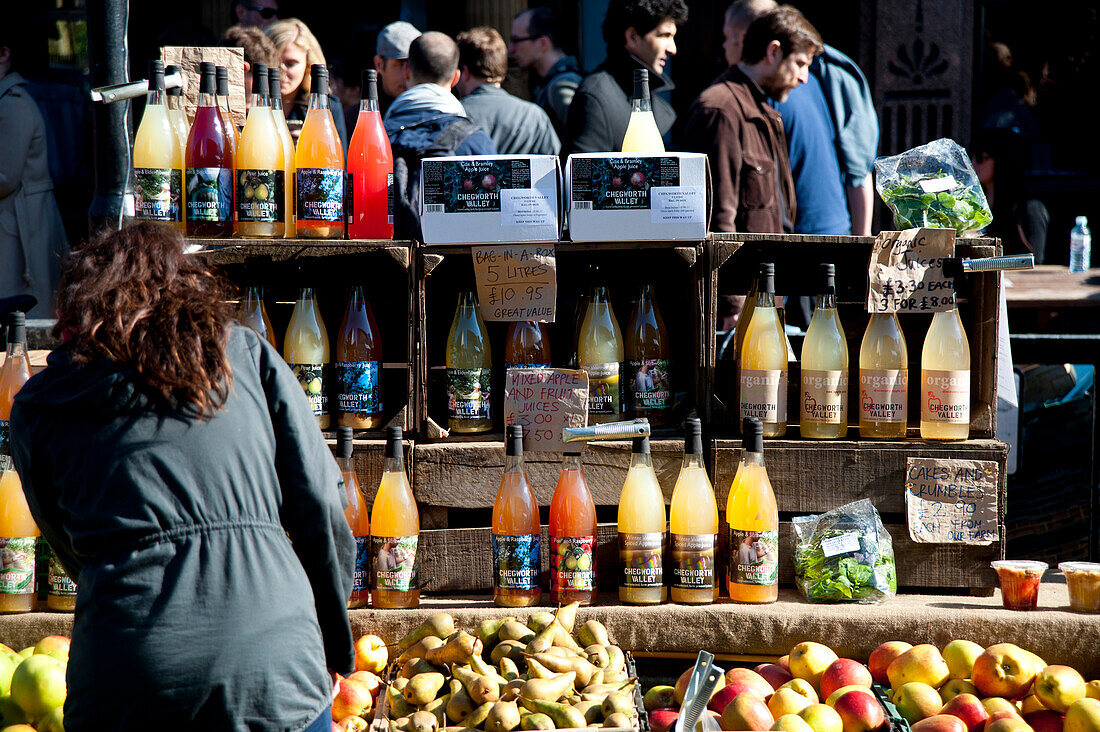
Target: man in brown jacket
(742,135)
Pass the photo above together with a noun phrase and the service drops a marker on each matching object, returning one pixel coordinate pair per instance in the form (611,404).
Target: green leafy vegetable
(865,574)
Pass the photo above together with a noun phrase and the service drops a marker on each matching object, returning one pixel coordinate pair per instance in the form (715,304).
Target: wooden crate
(282,266)
(815,477)
(675,268)
(734,262)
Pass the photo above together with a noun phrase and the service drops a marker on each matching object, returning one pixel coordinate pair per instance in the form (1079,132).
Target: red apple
(1008,724)
(881,658)
(784,662)
(353,698)
(682,684)
(662,720)
(1004,670)
(1044,720)
(370,680)
(749,680)
(860,712)
(774,674)
(747,712)
(939,723)
(922,663)
(844,672)
(969,709)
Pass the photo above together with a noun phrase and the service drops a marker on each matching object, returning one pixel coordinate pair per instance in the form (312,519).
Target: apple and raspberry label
(396,562)
(516,560)
(620,184)
(693,561)
(754,557)
(465,186)
(573,563)
(641,562)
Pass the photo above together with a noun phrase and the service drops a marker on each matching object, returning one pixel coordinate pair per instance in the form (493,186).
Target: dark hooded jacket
(212,558)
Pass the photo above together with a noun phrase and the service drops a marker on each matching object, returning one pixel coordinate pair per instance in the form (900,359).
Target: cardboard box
(490,198)
(617,197)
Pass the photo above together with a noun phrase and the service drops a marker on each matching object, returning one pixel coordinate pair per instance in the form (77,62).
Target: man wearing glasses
(536,47)
(260,13)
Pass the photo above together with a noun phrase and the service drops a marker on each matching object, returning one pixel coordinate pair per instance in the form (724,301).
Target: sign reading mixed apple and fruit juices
(544,401)
(952,501)
(517,281)
(905,273)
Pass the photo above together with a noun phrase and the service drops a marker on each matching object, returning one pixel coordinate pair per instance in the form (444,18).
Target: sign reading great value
(905,273)
(952,501)
(517,281)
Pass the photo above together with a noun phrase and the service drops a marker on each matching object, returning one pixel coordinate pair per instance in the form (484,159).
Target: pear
(510,648)
(416,666)
(397,704)
(540,620)
(597,677)
(581,667)
(401,724)
(550,689)
(477,717)
(563,639)
(482,689)
(618,701)
(422,722)
(399,683)
(508,669)
(503,717)
(618,720)
(438,707)
(598,656)
(536,670)
(511,690)
(422,646)
(458,649)
(591,711)
(536,721)
(440,625)
(423,688)
(543,641)
(592,633)
(478,666)
(616,657)
(562,715)
(460,705)
(515,630)
(487,630)
(566,616)
(561,652)
(614,676)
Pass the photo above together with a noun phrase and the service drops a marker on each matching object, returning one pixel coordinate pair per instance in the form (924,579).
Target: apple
(954,687)
(969,709)
(921,663)
(1044,720)
(997,706)
(353,699)
(1030,704)
(802,687)
(369,679)
(1008,724)
(1004,670)
(488,181)
(371,654)
(784,662)
(787,701)
(662,720)
(822,718)
(354,724)
(881,658)
(776,675)
(959,656)
(659,697)
(844,672)
(682,684)
(791,723)
(747,712)
(1058,687)
(1083,716)
(617,181)
(860,711)
(939,723)
(1092,689)
(831,699)
(637,179)
(809,660)
(747,680)
(54,645)
(916,701)
(467,185)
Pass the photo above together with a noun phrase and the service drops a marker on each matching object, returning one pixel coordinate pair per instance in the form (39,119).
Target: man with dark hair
(517,127)
(391,54)
(640,34)
(536,47)
(258,13)
(258,49)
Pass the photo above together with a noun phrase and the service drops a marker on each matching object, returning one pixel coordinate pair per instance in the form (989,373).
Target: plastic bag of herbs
(933,186)
(844,555)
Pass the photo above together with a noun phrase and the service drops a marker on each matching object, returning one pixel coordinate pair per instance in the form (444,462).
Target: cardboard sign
(188,59)
(517,281)
(905,274)
(952,501)
(544,401)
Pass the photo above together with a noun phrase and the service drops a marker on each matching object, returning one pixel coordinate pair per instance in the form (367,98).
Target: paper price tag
(952,501)
(526,207)
(843,544)
(517,281)
(677,205)
(905,272)
(544,401)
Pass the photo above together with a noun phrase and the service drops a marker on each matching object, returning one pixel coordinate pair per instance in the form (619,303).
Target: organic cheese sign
(952,501)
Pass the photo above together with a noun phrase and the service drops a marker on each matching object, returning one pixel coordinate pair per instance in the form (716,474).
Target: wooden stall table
(1049,289)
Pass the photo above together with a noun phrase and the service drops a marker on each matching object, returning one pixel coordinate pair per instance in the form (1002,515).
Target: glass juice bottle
(753,520)
(370,170)
(275,99)
(13,374)
(469,370)
(251,312)
(642,530)
(395,532)
(359,366)
(883,379)
(61,595)
(221,76)
(642,134)
(763,371)
(260,174)
(19,535)
(319,167)
(600,352)
(517,532)
(824,393)
(527,345)
(693,520)
(572,536)
(649,381)
(209,171)
(358,518)
(158,162)
(176,115)
(945,379)
(306,351)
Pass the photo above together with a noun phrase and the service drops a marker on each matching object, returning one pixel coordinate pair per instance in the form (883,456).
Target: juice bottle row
(210,180)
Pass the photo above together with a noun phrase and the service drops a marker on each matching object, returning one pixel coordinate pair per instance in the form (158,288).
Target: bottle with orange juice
(358,518)
(319,167)
(572,536)
(517,531)
(753,520)
(395,532)
(14,373)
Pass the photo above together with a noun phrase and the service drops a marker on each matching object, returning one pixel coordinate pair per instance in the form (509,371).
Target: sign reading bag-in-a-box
(616,197)
(490,198)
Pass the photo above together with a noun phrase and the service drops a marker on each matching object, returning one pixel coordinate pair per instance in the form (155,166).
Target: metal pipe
(609,431)
(111,125)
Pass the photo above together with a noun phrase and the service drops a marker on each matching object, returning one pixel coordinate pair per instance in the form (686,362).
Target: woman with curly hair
(298,50)
(171,460)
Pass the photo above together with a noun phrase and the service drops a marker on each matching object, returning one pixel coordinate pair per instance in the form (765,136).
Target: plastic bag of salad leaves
(844,555)
(933,186)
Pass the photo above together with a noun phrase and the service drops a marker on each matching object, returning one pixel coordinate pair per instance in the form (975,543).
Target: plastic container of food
(1019,582)
(1083,581)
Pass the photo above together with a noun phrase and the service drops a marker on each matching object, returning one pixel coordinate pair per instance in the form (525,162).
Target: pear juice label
(572,563)
(649,385)
(158,194)
(754,557)
(319,194)
(312,378)
(361,579)
(823,396)
(604,388)
(641,560)
(469,393)
(60,584)
(883,395)
(764,394)
(945,396)
(396,562)
(620,184)
(693,561)
(210,194)
(359,391)
(260,196)
(471,186)
(516,561)
(17,573)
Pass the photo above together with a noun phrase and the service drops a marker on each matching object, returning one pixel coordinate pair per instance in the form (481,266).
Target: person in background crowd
(391,56)
(171,459)
(536,47)
(640,34)
(259,13)
(298,51)
(516,127)
(258,49)
(347,86)
(1000,158)
(32,236)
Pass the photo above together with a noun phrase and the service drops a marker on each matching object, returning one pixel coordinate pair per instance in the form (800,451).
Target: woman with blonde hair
(298,50)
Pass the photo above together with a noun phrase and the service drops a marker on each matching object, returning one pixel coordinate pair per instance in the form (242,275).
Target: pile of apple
(32,686)
(357,693)
(964,688)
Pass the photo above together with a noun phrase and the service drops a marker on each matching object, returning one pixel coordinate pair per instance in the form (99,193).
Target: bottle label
(604,395)
(359,391)
(17,573)
(618,184)
(319,194)
(754,557)
(209,194)
(389,198)
(349,197)
(572,563)
(764,394)
(158,194)
(945,396)
(471,186)
(61,585)
(469,393)
(528,366)
(516,561)
(824,396)
(693,561)
(260,196)
(361,578)
(883,395)
(649,384)
(641,559)
(396,562)
(312,378)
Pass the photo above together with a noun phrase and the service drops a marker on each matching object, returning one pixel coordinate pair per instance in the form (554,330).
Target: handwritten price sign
(952,501)
(544,401)
(517,281)
(905,273)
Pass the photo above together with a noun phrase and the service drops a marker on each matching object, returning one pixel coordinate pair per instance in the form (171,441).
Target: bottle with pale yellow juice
(945,379)
(158,158)
(693,521)
(642,134)
(824,394)
(883,379)
(469,362)
(600,353)
(642,529)
(176,114)
(306,351)
(753,519)
(395,533)
(260,173)
(763,361)
(275,99)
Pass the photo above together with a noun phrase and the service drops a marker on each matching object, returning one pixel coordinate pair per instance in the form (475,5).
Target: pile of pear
(509,675)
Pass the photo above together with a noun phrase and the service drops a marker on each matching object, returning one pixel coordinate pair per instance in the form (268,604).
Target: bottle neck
(17,349)
(571,462)
(394,465)
(753,458)
(276,102)
(513,463)
(347,465)
(825,300)
(692,460)
(368,105)
(155,96)
(259,100)
(765,297)
(641,460)
(641,104)
(173,101)
(206,99)
(318,101)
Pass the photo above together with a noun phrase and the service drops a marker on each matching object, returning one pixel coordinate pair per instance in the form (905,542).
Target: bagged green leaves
(844,555)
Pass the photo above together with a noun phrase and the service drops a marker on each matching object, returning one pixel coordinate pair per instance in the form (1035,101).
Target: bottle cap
(752,435)
(641,445)
(828,278)
(767,277)
(274,77)
(176,91)
(206,78)
(641,84)
(221,74)
(395,448)
(259,79)
(370,84)
(318,79)
(514,442)
(693,436)
(344,436)
(156,75)
(1082,220)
